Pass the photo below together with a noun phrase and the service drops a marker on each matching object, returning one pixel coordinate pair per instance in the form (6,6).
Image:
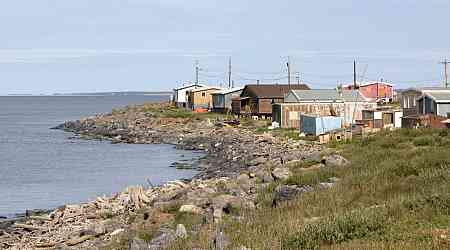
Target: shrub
(424,141)
(337,229)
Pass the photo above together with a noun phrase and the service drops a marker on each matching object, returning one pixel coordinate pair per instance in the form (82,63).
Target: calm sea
(42,168)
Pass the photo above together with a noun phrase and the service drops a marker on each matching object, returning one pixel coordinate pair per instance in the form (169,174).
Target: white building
(180,97)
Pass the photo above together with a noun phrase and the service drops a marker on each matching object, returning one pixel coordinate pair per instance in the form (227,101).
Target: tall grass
(394,194)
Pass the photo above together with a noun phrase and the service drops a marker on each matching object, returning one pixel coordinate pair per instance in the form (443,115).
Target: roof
(373,83)
(438,97)
(204,89)
(228,91)
(270,90)
(189,86)
(327,95)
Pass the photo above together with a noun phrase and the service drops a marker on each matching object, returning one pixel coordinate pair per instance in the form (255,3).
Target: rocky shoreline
(238,162)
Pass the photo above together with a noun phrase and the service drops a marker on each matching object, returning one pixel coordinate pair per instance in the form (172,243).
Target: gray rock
(257,161)
(334,161)
(326,185)
(163,240)
(138,244)
(181,231)
(314,157)
(191,209)
(281,173)
(285,193)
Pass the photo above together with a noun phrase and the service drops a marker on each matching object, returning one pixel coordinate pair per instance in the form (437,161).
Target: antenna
(229,74)
(289,71)
(445,62)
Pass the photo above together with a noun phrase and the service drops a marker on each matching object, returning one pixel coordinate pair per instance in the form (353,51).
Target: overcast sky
(50,46)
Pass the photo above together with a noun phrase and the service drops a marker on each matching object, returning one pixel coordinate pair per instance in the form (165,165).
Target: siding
(288,114)
(443,109)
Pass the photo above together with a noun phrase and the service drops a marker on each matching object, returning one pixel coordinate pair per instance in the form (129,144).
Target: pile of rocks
(237,164)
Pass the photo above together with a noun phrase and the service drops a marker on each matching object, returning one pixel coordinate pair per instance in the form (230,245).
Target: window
(203,94)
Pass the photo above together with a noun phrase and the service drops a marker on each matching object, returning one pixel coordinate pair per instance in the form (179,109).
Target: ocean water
(42,168)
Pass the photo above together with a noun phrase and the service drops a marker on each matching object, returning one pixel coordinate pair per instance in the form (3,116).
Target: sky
(53,46)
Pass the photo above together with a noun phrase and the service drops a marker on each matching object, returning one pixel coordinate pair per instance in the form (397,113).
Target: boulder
(281,173)
(257,161)
(285,193)
(334,161)
(191,209)
(181,231)
(163,240)
(314,156)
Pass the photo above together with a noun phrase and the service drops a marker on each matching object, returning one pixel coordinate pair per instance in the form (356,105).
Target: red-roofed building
(382,92)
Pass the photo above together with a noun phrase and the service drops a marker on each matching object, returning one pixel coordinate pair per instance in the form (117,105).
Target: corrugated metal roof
(189,86)
(327,95)
(228,91)
(439,96)
(271,90)
(204,89)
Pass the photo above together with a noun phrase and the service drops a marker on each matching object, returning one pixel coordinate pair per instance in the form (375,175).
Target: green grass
(394,194)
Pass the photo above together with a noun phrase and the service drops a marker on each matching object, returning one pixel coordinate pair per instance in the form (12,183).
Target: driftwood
(42,218)
(45,245)
(30,227)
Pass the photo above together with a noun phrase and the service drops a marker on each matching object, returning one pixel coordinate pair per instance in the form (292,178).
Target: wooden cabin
(257,100)
(201,98)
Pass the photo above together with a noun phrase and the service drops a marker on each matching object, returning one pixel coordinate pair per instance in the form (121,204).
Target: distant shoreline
(92,94)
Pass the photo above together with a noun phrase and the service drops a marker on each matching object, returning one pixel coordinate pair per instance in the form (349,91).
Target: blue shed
(317,125)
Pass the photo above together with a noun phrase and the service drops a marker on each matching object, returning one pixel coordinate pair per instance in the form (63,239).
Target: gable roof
(189,86)
(327,95)
(204,89)
(270,90)
(439,97)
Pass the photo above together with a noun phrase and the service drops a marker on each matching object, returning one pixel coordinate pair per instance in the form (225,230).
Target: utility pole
(298,77)
(289,70)
(229,74)
(197,69)
(445,62)
(354,74)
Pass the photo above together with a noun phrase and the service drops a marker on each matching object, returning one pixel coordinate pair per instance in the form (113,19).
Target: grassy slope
(393,195)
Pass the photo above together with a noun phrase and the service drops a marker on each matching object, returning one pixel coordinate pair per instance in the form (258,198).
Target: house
(201,98)
(222,99)
(408,101)
(180,97)
(347,104)
(434,101)
(381,92)
(257,99)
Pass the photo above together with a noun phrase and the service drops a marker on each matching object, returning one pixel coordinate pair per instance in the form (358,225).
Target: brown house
(201,97)
(257,100)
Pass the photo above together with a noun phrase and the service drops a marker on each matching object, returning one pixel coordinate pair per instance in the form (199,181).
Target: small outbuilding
(408,101)
(201,98)
(180,95)
(434,102)
(319,125)
(222,99)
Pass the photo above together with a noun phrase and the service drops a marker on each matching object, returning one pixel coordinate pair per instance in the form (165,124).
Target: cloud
(55,55)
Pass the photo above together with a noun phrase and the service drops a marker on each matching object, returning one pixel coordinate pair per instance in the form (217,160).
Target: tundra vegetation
(394,194)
